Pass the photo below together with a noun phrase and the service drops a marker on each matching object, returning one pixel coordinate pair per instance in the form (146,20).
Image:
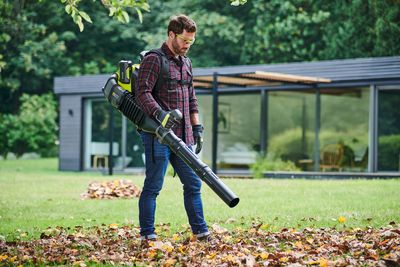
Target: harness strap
(152,150)
(164,68)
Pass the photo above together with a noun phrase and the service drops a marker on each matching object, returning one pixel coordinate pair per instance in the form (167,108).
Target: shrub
(34,129)
(270,163)
(288,145)
(5,125)
(389,153)
(356,139)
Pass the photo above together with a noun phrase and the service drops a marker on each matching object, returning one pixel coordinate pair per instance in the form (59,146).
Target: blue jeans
(156,166)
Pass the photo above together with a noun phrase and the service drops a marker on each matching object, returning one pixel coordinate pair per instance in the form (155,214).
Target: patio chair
(362,164)
(331,157)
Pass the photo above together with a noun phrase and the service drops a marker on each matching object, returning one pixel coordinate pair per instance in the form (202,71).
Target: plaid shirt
(172,94)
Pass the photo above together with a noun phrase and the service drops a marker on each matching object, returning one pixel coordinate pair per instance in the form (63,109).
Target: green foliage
(389,153)
(117,9)
(271,163)
(288,145)
(34,129)
(31,56)
(40,41)
(214,39)
(5,125)
(283,31)
(354,138)
(348,156)
(361,29)
(389,113)
(238,2)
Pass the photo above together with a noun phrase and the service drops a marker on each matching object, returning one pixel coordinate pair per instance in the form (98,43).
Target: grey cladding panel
(70,132)
(68,164)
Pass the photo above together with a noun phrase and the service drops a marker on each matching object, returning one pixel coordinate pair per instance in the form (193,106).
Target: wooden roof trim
(275,76)
(231,80)
(258,78)
(202,84)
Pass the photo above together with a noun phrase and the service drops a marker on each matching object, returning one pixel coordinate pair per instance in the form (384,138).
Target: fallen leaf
(119,245)
(342,219)
(211,256)
(175,237)
(169,262)
(284,259)
(113,226)
(218,229)
(323,262)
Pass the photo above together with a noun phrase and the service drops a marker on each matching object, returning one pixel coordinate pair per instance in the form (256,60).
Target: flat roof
(360,70)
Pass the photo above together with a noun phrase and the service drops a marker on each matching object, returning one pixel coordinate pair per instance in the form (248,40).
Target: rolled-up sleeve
(147,78)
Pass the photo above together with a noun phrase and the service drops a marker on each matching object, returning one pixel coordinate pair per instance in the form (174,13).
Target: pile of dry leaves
(240,247)
(112,189)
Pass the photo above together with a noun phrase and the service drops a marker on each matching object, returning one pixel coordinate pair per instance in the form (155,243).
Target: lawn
(35,196)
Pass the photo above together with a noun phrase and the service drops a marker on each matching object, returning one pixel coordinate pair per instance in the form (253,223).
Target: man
(175,92)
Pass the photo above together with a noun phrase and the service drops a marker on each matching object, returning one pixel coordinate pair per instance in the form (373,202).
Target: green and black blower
(117,90)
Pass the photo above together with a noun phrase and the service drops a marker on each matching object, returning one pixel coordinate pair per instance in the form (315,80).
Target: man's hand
(166,119)
(198,136)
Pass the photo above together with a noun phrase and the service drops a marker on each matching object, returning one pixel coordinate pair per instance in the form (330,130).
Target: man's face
(182,42)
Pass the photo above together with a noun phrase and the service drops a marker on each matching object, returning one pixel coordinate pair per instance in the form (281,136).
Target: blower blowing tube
(124,101)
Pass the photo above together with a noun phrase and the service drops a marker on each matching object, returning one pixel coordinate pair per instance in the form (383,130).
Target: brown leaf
(120,245)
(111,189)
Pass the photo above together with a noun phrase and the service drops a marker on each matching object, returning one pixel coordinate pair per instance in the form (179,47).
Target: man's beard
(177,50)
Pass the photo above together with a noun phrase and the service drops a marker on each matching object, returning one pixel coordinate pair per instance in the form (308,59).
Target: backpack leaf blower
(124,101)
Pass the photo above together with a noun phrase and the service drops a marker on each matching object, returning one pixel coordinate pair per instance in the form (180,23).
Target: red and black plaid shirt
(172,94)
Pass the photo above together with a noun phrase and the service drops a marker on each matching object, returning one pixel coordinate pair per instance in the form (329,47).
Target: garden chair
(331,157)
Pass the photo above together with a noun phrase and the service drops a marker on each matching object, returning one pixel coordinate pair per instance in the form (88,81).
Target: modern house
(327,116)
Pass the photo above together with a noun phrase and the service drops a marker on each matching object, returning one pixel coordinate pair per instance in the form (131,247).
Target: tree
(220,30)
(5,125)
(31,55)
(40,41)
(117,9)
(34,129)
(361,29)
(283,31)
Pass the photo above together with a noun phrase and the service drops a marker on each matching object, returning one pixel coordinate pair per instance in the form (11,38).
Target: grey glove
(198,137)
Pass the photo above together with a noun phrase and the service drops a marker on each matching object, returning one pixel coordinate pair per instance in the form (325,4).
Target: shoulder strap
(186,61)
(164,68)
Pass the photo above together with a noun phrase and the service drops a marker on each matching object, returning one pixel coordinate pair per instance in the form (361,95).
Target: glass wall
(127,147)
(238,129)
(389,129)
(291,127)
(134,148)
(206,118)
(344,129)
(291,124)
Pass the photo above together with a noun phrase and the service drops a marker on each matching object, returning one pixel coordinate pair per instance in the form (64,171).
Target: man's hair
(181,22)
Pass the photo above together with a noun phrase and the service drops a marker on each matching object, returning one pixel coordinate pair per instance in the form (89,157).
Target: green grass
(34,196)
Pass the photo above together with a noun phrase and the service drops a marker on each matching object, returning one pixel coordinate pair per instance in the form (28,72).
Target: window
(291,127)
(127,148)
(344,128)
(389,129)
